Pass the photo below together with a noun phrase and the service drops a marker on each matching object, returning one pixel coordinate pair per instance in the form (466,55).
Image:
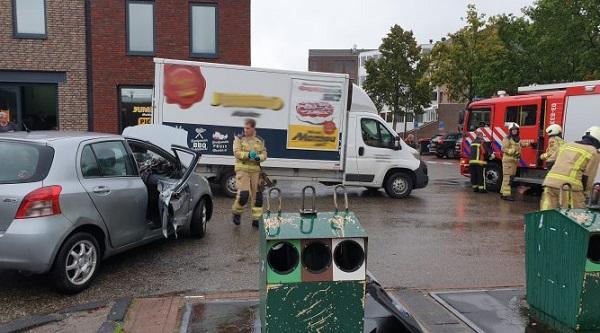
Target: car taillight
(41,202)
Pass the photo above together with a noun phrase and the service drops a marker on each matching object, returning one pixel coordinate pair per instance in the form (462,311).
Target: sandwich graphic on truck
(316,126)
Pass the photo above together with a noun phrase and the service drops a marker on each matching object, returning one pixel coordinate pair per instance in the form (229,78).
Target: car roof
(49,136)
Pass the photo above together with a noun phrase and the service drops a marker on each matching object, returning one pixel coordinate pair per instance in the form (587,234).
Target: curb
(116,316)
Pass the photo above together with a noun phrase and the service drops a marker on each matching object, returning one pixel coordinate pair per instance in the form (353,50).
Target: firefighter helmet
(554,130)
(594,132)
(512,126)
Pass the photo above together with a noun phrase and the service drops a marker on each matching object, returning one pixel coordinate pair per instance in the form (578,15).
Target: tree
(566,41)
(398,78)
(466,62)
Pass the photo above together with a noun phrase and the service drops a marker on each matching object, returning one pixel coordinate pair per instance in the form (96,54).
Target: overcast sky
(284,30)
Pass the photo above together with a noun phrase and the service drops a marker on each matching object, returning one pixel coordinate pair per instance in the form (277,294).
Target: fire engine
(575,106)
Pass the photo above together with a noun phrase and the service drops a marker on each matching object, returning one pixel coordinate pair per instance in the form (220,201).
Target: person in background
(511,153)
(555,141)
(480,153)
(410,140)
(5,124)
(249,151)
(573,172)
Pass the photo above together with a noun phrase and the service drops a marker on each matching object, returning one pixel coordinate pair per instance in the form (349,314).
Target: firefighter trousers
(249,191)
(551,199)
(477,176)
(509,169)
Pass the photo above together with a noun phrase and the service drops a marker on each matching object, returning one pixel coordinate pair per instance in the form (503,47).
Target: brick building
(127,34)
(344,61)
(43,76)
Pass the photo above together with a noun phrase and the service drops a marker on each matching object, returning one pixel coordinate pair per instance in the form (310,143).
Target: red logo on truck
(184,85)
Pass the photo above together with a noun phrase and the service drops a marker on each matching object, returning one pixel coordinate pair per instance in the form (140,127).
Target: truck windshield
(479,118)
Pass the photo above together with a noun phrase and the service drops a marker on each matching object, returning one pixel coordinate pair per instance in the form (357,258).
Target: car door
(175,196)
(108,173)
(374,150)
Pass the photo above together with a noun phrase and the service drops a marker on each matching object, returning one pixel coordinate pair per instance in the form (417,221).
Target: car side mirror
(396,145)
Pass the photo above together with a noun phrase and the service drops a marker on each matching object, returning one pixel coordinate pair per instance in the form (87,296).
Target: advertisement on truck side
(299,117)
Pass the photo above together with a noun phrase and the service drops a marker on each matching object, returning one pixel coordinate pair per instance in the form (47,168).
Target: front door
(110,177)
(375,144)
(526,114)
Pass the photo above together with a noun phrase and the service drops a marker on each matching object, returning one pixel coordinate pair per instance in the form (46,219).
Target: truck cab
(376,157)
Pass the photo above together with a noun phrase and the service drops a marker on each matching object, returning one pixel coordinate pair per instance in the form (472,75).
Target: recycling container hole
(283,258)
(594,249)
(316,257)
(349,256)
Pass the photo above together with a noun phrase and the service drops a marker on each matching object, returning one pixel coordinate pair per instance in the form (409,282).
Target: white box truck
(316,126)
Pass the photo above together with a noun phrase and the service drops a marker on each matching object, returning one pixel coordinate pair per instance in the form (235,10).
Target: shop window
(135,105)
(203,30)
(30,106)
(29,18)
(525,115)
(140,27)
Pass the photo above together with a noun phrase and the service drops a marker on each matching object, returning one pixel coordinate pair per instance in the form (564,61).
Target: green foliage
(466,63)
(397,79)
(555,41)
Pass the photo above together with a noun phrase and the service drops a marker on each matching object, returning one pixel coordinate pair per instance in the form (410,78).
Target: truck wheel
(493,177)
(76,263)
(229,184)
(398,185)
(199,220)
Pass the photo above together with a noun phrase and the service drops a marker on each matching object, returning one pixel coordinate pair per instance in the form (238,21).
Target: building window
(29,18)
(140,27)
(203,30)
(135,105)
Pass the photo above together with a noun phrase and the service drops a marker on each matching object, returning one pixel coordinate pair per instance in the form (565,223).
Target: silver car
(69,200)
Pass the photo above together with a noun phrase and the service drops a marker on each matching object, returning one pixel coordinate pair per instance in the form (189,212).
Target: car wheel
(493,177)
(399,185)
(229,185)
(76,263)
(199,220)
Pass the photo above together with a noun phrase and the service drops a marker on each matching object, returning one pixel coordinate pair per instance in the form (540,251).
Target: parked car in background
(457,147)
(69,200)
(446,146)
(428,144)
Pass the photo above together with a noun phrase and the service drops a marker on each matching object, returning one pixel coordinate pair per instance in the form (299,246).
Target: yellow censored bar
(247,101)
(312,137)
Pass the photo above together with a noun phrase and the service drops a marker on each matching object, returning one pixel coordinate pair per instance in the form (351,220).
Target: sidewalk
(220,312)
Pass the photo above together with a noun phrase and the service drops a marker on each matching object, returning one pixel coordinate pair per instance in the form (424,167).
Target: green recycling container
(562,259)
(312,271)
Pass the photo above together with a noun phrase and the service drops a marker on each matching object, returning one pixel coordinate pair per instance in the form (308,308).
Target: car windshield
(24,162)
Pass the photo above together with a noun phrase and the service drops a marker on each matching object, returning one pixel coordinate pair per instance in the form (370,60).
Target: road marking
(444,163)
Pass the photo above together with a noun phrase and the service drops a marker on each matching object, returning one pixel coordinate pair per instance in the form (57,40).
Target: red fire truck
(575,106)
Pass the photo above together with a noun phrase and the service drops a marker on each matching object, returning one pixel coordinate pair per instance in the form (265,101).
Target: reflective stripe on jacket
(479,152)
(242,146)
(573,161)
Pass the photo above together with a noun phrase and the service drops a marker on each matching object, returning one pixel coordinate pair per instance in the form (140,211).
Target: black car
(446,146)
(428,144)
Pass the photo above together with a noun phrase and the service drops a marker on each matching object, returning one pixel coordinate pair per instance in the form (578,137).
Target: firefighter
(571,178)
(511,153)
(480,153)
(555,141)
(249,151)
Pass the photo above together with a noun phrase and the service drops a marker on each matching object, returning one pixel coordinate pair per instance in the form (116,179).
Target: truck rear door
(582,111)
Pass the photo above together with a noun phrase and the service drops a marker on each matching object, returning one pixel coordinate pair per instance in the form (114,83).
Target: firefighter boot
(236,219)
(255,223)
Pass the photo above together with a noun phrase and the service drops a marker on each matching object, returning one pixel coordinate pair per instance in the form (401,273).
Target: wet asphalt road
(443,237)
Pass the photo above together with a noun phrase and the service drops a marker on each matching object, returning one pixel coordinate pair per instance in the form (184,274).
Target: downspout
(88,60)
